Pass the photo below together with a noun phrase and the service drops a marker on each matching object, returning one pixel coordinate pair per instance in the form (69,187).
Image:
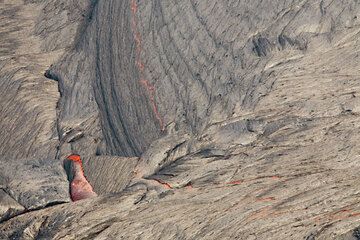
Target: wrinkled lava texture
(194,119)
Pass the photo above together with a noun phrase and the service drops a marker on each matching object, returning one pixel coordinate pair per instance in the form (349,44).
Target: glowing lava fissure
(138,48)
(80,188)
(76,158)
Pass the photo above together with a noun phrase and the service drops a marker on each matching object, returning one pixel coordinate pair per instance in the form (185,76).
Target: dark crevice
(50,75)
(356,233)
(88,17)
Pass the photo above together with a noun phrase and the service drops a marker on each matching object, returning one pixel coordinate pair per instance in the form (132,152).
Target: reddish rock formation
(80,188)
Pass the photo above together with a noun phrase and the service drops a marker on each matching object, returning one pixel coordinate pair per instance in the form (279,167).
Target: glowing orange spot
(237,182)
(74,157)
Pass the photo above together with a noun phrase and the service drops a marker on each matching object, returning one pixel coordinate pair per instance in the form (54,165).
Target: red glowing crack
(338,215)
(165,184)
(151,90)
(147,85)
(237,182)
(267,199)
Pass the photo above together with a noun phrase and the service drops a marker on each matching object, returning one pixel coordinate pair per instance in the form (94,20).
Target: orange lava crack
(149,88)
(165,184)
(339,215)
(237,182)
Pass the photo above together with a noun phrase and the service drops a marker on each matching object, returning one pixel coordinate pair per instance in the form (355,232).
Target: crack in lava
(138,48)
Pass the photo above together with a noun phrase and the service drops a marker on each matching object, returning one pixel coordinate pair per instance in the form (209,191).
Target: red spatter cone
(80,188)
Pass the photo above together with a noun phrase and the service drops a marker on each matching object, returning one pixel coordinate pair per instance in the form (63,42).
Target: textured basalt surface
(195,119)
